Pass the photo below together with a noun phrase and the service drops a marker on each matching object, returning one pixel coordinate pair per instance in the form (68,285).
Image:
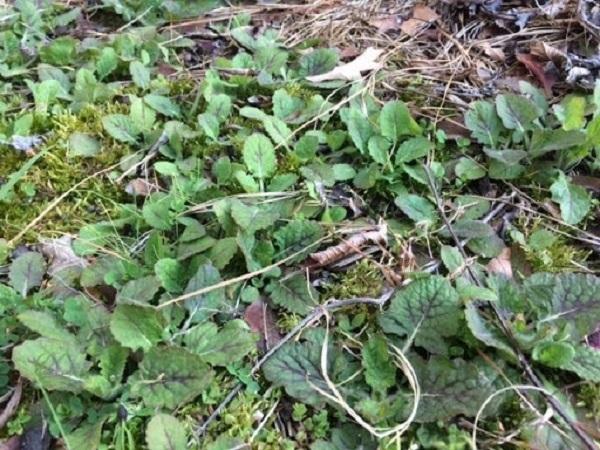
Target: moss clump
(589,398)
(55,173)
(362,280)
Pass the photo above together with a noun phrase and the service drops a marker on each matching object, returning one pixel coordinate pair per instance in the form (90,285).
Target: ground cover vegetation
(266,250)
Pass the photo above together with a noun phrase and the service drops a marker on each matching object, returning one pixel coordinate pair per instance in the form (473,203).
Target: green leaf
(318,61)
(259,156)
(359,129)
(156,211)
(220,107)
(380,372)
(452,258)
(252,218)
(221,347)
(142,116)
(585,363)
(553,354)
(107,63)
(565,299)
(454,387)
(574,201)
(141,290)
(163,105)
(89,435)
(296,236)
(277,130)
(204,305)
(467,169)
(223,252)
(45,325)
(417,208)
(306,147)
(413,148)
(294,294)
(379,149)
(165,432)
(465,228)
(169,377)
(60,52)
(297,367)
(82,144)
(135,326)
(395,121)
(343,172)
(140,74)
(427,310)
(486,332)
(484,123)
(571,112)
(545,140)
(120,127)
(26,272)
(246,181)
(508,157)
(210,125)
(286,107)
(517,112)
(56,365)
(171,274)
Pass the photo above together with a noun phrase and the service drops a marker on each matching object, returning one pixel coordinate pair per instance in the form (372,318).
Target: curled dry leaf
(60,254)
(260,319)
(11,405)
(501,264)
(538,69)
(350,245)
(422,16)
(140,187)
(352,70)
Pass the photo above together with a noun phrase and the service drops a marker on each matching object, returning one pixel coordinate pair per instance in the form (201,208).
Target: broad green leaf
(517,112)
(252,218)
(156,211)
(467,169)
(571,112)
(546,140)
(56,365)
(318,61)
(395,121)
(89,435)
(465,228)
(452,258)
(483,122)
(44,94)
(220,107)
(277,130)
(508,157)
(165,432)
(204,305)
(413,148)
(60,52)
(379,149)
(297,367)
(171,274)
(142,116)
(45,325)
(26,272)
(163,105)
(574,201)
(221,347)
(296,236)
(426,312)
(120,127)
(485,331)
(259,156)
(210,125)
(455,387)
(359,129)
(246,181)
(136,326)
(270,59)
(285,106)
(380,372)
(565,299)
(107,62)
(140,74)
(585,363)
(417,208)
(553,354)
(169,377)
(306,147)
(294,294)
(343,172)
(82,144)
(223,252)
(367,177)
(141,290)
(282,182)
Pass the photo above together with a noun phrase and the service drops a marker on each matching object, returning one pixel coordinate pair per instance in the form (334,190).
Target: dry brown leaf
(422,16)
(11,405)
(140,187)
(261,319)
(13,443)
(352,70)
(591,183)
(350,245)
(497,54)
(537,69)
(385,23)
(501,265)
(60,254)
